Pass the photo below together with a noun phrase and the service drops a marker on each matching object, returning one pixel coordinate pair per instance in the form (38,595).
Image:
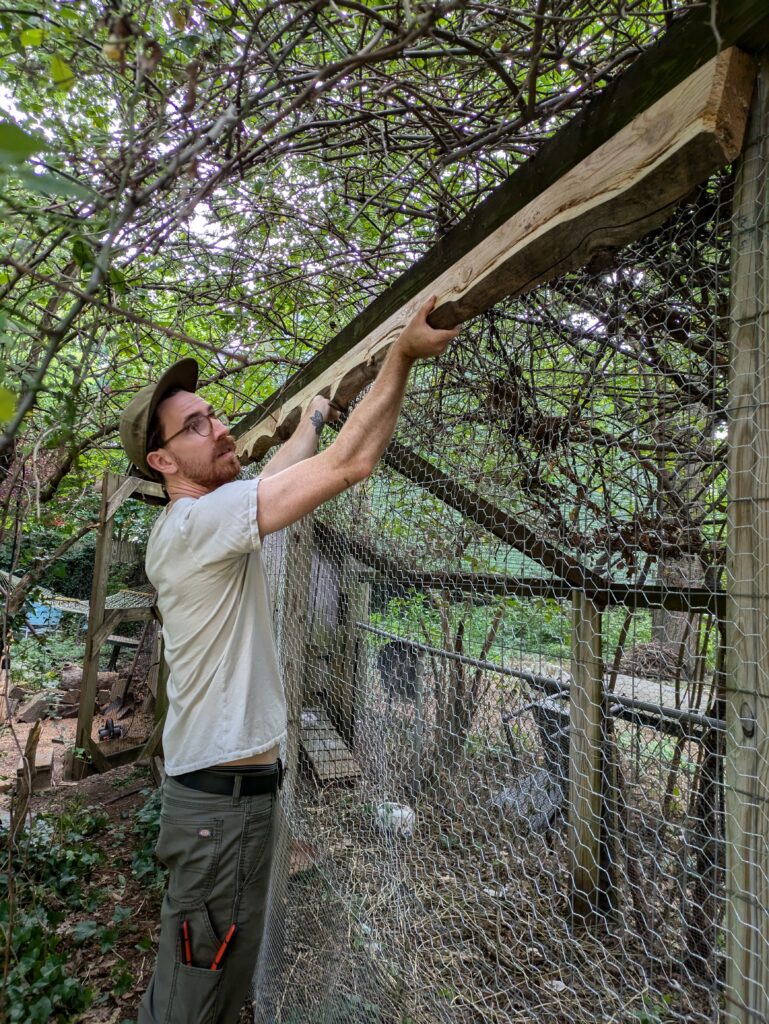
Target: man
(226,714)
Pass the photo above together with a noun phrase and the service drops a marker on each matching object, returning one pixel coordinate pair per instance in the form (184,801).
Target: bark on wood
(591,895)
(747,621)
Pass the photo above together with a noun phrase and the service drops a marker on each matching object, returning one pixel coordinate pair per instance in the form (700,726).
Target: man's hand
(421,341)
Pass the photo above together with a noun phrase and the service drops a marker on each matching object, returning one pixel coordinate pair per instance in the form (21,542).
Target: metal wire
(453,778)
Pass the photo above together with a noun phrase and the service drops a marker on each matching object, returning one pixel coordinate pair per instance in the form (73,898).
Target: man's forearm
(302,444)
(286,497)
(369,429)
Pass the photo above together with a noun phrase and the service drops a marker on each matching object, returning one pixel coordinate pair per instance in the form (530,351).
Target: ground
(117,959)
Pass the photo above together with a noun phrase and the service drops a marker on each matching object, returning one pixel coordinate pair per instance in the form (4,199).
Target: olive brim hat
(137,415)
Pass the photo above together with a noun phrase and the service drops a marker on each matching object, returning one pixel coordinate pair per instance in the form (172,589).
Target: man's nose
(219,428)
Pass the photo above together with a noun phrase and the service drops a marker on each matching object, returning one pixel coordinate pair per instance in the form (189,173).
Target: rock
(70,697)
(17,693)
(71,677)
(40,706)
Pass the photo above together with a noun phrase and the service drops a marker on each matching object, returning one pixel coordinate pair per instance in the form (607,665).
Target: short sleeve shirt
(225,697)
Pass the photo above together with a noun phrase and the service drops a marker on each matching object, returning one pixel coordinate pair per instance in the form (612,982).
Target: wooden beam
(491,585)
(134,487)
(295,548)
(591,898)
(491,518)
(589,188)
(747,621)
(110,485)
(344,677)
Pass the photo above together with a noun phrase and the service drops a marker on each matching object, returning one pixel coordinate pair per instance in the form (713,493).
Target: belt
(223,783)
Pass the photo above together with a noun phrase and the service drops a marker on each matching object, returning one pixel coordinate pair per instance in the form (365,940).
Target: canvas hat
(137,415)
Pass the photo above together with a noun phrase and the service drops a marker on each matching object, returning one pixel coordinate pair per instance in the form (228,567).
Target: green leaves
(8,403)
(62,74)
(83,254)
(32,37)
(16,145)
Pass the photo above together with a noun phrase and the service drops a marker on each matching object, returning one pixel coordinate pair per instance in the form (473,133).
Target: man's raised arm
(288,495)
(303,443)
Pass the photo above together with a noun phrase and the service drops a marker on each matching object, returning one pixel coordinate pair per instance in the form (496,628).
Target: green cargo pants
(218,850)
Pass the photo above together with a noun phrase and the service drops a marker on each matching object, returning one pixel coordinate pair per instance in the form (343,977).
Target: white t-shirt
(225,697)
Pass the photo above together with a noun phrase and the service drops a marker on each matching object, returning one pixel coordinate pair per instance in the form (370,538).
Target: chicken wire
(571,442)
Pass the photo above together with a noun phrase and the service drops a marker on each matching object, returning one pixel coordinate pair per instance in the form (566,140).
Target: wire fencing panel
(508,671)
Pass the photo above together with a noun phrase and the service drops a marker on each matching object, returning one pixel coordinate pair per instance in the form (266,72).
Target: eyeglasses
(200,424)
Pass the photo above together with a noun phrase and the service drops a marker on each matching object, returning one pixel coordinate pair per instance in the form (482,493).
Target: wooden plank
(327,753)
(294,548)
(491,518)
(489,585)
(747,620)
(110,484)
(135,486)
(113,618)
(151,744)
(124,490)
(590,897)
(341,681)
(615,192)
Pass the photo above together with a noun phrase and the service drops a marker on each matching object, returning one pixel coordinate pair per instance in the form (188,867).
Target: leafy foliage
(49,863)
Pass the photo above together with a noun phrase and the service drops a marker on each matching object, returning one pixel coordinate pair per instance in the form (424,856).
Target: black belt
(252,783)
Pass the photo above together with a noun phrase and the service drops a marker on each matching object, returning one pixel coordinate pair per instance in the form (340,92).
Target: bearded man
(226,709)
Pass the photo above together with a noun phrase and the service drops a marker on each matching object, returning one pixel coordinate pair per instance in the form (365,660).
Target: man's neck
(183,488)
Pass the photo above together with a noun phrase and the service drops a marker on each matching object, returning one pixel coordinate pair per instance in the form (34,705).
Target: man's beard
(211,471)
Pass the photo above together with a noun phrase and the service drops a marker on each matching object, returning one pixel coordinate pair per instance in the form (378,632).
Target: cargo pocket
(194,994)
(190,850)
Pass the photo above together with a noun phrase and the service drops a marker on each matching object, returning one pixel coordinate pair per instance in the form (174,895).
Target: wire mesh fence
(510,663)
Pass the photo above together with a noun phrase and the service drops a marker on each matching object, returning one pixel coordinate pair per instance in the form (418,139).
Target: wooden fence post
(345,672)
(746,767)
(295,547)
(96,614)
(591,897)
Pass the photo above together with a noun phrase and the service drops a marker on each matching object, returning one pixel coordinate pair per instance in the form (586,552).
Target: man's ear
(161,462)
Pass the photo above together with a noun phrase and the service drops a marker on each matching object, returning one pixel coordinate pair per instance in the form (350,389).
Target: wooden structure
(328,756)
(102,621)
(707,107)
(591,897)
(614,172)
(747,618)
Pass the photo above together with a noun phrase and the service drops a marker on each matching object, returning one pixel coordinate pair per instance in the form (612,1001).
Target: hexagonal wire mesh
(506,800)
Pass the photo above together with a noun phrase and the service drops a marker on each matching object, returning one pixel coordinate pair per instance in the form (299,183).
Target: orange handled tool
(220,953)
(186,947)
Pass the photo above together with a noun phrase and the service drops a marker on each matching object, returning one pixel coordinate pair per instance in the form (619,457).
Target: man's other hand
(328,410)
(421,341)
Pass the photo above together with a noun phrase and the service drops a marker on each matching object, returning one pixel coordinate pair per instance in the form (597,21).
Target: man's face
(207,461)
